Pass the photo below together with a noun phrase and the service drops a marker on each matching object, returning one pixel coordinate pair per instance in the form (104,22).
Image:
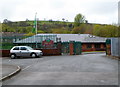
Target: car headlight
(39,53)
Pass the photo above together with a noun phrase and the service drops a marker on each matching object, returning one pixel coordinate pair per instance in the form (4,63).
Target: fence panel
(115,43)
(65,47)
(119,47)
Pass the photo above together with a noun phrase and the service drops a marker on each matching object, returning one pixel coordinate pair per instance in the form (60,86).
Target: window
(16,48)
(104,46)
(23,48)
(97,45)
(89,46)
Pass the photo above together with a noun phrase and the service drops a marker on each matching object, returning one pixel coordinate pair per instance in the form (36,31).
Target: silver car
(24,51)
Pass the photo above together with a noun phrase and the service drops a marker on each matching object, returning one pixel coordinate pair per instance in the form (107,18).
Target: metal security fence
(34,41)
(37,39)
(71,47)
(8,41)
(6,45)
(77,48)
(65,48)
(115,47)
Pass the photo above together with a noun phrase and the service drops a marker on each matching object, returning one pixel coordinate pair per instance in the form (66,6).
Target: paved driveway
(87,69)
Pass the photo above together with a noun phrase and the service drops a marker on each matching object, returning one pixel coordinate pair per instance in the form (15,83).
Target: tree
(27,19)
(40,31)
(29,34)
(80,29)
(105,30)
(61,31)
(96,30)
(79,18)
(63,19)
(6,21)
(6,28)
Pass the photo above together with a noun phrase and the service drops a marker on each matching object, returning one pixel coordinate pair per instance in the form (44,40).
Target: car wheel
(33,55)
(13,56)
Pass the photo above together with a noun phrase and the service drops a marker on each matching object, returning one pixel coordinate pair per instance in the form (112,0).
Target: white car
(24,51)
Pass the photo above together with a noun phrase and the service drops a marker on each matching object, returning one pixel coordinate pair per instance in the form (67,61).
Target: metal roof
(84,38)
(81,37)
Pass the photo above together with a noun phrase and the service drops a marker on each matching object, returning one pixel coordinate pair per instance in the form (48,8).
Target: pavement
(8,70)
(94,52)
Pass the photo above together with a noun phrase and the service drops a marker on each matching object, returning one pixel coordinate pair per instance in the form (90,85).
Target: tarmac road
(87,69)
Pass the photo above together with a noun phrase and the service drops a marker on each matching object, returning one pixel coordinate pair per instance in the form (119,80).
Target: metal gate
(77,48)
(65,48)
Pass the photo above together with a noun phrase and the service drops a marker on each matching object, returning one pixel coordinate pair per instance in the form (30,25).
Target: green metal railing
(65,48)
(6,46)
(77,48)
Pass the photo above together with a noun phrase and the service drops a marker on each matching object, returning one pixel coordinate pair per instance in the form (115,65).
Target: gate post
(59,47)
(71,46)
(108,47)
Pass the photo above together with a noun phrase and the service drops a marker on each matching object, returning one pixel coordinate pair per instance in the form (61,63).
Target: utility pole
(36,21)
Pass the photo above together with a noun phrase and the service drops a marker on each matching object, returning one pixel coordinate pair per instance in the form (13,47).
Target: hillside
(61,27)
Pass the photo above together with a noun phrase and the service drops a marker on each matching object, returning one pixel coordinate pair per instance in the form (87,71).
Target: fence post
(59,47)
(71,46)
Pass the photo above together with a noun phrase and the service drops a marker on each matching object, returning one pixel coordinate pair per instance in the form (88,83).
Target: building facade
(89,42)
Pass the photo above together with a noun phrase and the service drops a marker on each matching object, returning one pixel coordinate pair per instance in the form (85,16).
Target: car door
(24,52)
(16,51)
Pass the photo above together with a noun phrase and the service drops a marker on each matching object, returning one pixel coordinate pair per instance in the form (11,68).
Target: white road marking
(26,68)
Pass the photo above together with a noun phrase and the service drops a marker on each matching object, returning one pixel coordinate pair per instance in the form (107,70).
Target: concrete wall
(50,52)
(5,53)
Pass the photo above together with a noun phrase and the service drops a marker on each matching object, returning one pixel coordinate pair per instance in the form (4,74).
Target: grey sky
(95,11)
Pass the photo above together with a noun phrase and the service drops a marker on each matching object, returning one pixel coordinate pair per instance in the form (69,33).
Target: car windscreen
(16,48)
(30,48)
